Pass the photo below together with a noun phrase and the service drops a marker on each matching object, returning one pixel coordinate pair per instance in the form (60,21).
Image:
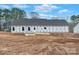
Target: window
(28,28)
(22,28)
(13,28)
(44,27)
(34,28)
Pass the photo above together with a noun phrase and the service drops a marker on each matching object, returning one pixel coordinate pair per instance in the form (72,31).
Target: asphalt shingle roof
(39,22)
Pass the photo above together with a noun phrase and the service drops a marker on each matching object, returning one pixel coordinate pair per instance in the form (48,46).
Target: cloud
(43,15)
(15,5)
(64,11)
(45,8)
(46,16)
(49,6)
(20,6)
(4,6)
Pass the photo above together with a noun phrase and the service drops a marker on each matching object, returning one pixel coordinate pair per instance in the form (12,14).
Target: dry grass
(52,44)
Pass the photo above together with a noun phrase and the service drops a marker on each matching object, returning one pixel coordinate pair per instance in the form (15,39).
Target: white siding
(40,29)
(17,29)
(76,28)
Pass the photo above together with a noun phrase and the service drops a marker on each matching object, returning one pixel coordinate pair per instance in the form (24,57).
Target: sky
(47,10)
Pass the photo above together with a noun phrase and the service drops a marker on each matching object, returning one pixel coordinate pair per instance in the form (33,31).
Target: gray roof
(39,22)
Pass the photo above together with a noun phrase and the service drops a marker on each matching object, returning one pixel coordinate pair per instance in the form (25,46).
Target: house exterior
(76,28)
(39,26)
(72,26)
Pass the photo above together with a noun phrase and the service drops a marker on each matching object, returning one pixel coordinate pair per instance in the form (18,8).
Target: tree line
(14,13)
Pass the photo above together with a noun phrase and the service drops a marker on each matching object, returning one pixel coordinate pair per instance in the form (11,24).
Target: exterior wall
(17,29)
(76,28)
(40,29)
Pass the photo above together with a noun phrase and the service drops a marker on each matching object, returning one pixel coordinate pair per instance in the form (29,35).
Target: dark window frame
(45,28)
(34,28)
(29,29)
(22,28)
(13,28)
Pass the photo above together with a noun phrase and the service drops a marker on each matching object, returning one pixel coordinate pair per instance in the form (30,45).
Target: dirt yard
(39,44)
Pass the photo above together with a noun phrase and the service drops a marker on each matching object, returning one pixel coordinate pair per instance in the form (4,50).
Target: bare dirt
(52,44)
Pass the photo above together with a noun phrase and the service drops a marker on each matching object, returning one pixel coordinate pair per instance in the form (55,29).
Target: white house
(76,28)
(39,26)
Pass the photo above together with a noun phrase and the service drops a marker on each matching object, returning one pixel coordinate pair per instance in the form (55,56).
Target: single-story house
(71,27)
(76,28)
(39,26)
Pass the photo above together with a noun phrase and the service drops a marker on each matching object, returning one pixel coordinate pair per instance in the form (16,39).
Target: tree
(6,14)
(18,13)
(75,18)
(0,14)
(34,15)
(0,18)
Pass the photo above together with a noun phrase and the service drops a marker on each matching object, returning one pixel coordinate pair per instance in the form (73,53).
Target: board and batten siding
(18,29)
(76,28)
